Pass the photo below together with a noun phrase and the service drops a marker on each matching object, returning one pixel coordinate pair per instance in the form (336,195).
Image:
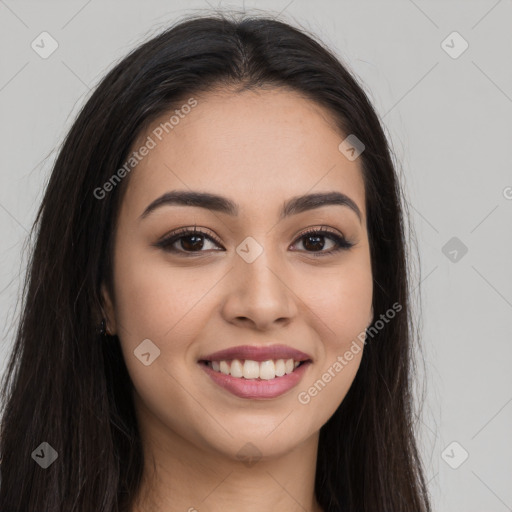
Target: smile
(252,387)
(249,369)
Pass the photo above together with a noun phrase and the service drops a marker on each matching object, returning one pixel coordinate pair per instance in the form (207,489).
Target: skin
(259,149)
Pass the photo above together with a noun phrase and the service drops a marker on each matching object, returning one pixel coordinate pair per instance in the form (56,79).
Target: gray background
(449,123)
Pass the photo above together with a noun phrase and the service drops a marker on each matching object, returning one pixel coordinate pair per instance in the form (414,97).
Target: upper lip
(257,353)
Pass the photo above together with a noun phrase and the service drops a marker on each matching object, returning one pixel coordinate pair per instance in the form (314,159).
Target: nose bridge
(258,273)
(260,270)
(260,292)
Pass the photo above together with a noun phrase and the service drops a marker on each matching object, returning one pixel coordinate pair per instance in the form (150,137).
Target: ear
(108,310)
(370,318)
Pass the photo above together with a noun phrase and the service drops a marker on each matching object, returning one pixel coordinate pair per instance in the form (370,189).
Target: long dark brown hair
(65,386)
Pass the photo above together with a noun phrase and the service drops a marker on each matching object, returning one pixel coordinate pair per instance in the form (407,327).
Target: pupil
(316,239)
(197,244)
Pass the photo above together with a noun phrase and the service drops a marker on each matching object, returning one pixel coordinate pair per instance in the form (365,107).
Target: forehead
(256,147)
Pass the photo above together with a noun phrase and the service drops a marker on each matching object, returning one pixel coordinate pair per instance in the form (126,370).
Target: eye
(312,240)
(187,241)
(190,240)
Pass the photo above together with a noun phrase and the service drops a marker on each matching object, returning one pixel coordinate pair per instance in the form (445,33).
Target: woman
(216,314)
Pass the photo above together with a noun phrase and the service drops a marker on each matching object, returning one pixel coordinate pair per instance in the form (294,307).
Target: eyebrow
(222,204)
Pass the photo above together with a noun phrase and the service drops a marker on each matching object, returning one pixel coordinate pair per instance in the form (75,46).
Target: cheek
(341,300)
(341,304)
(165,306)
(153,299)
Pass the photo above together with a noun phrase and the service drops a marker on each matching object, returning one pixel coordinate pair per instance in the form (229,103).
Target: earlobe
(108,311)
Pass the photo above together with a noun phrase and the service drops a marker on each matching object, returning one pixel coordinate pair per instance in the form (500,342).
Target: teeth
(248,369)
(280,368)
(237,369)
(224,367)
(251,370)
(267,370)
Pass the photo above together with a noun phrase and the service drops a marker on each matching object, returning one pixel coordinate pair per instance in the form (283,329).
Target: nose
(260,295)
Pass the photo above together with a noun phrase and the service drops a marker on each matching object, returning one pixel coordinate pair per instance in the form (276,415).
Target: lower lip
(257,388)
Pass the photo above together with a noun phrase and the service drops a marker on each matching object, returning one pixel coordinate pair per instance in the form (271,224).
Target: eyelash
(167,243)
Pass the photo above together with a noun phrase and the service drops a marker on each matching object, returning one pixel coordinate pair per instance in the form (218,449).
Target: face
(253,276)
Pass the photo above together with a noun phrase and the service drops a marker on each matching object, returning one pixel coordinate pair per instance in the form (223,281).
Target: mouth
(255,370)
(256,388)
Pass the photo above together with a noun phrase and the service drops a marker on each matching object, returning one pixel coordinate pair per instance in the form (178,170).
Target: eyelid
(315,229)
(187,231)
